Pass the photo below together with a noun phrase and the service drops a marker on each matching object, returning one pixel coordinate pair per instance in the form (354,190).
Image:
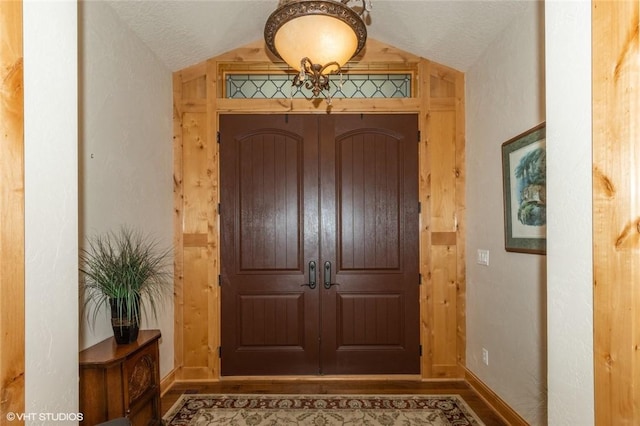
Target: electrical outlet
(485,356)
(483,257)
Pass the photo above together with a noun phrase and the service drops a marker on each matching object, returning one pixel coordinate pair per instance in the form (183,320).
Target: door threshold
(325,378)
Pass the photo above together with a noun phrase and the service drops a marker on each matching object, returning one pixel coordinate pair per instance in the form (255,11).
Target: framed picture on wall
(524,175)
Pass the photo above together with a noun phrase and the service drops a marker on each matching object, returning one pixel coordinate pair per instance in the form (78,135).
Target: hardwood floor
(477,404)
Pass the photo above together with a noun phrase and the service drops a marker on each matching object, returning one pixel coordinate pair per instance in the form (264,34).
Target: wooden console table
(121,381)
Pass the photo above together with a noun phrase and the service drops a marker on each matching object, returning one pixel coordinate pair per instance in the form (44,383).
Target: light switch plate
(483,257)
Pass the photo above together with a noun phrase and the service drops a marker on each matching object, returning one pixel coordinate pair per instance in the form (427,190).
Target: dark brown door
(369,236)
(269,226)
(319,234)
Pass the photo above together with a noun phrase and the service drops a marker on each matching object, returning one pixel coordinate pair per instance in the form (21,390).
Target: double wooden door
(319,244)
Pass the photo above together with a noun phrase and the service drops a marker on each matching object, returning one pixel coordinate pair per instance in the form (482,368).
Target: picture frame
(524,178)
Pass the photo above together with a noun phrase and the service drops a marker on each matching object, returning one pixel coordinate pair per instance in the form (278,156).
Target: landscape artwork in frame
(524,173)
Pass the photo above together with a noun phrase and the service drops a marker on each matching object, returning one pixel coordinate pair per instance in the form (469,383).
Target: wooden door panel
(369,193)
(265,320)
(369,224)
(269,205)
(269,189)
(369,319)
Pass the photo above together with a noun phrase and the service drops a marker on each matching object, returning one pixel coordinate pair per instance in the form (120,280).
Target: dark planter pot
(125,331)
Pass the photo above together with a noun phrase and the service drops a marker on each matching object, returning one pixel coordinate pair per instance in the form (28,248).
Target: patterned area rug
(321,410)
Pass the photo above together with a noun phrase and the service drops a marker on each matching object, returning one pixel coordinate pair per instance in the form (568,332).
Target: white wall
(506,302)
(126,169)
(51,210)
(569,189)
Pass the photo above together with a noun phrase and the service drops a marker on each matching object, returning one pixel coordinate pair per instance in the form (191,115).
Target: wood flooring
(380,387)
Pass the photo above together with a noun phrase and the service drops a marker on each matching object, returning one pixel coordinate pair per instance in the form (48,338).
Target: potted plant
(126,271)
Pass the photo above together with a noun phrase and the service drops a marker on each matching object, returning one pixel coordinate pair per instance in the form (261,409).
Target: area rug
(321,410)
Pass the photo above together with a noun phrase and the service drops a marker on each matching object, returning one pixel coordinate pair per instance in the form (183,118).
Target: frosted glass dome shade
(324,31)
(323,39)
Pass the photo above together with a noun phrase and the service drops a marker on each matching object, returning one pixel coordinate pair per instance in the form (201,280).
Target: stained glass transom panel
(278,86)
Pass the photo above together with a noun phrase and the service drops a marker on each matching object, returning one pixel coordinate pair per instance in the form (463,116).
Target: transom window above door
(348,86)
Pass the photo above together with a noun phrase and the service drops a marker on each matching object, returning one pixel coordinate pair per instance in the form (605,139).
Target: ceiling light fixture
(316,37)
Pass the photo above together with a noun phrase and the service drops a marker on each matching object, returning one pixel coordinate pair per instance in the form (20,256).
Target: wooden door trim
(440,96)
(12,243)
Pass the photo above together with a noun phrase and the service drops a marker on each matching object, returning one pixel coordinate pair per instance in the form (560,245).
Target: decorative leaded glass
(278,86)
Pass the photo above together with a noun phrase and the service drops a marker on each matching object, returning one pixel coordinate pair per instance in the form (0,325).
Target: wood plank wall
(438,98)
(616,214)
(12,339)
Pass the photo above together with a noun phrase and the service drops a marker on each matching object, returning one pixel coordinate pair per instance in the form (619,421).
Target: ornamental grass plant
(127,271)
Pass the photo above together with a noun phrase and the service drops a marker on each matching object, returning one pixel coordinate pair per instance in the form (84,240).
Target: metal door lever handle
(327,275)
(312,275)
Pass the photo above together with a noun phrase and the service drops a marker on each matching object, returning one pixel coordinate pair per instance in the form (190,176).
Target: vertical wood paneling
(445,125)
(193,72)
(443,167)
(460,224)
(194,210)
(442,83)
(178,235)
(195,90)
(196,195)
(196,191)
(12,338)
(445,297)
(196,336)
(424,192)
(616,220)
(213,219)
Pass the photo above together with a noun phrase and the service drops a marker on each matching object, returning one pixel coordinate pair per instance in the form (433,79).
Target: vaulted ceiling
(451,32)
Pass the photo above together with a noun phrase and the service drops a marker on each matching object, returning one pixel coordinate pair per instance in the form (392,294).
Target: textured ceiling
(452,32)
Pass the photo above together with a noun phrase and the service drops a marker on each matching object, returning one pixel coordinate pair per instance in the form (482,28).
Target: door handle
(312,275)
(327,275)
